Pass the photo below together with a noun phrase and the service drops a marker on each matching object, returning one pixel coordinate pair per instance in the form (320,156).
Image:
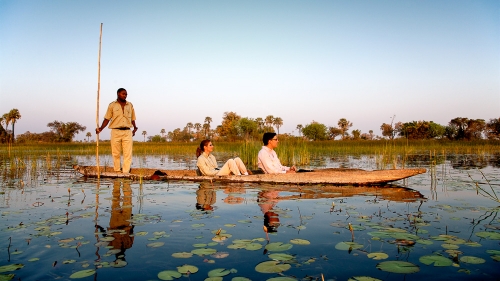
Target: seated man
(268,160)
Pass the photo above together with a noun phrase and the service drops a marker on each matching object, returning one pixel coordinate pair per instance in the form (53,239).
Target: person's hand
(135,130)
(98,130)
(292,170)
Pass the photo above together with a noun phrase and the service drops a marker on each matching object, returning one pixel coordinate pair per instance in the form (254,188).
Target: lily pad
(472,260)
(182,255)
(345,246)
(272,267)
(450,246)
(398,267)
(6,277)
(187,268)
(435,260)
(282,278)
(107,239)
(169,275)
(203,251)
(363,278)
(298,241)
(155,244)
(278,247)
(253,246)
(281,257)
(239,278)
(489,235)
(82,273)
(218,272)
(378,256)
(197,225)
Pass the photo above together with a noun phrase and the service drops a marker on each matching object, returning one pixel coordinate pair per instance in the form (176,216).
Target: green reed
(292,151)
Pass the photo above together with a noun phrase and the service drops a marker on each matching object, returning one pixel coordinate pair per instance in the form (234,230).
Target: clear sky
(182,61)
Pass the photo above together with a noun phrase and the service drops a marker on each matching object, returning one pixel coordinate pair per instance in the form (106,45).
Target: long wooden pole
(97,110)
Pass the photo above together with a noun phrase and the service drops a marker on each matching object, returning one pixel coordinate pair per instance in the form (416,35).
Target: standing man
(268,161)
(120,116)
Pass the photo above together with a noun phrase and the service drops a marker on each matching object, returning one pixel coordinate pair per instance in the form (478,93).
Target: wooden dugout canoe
(321,176)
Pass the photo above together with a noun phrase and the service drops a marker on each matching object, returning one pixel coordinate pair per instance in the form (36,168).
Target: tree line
(59,131)
(234,127)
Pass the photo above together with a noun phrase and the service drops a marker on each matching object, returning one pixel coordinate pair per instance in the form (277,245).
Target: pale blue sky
(300,60)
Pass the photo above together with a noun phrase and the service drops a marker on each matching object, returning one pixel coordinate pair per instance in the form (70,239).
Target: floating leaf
(253,246)
(11,267)
(230,225)
(219,255)
(424,242)
(272,267)
(489,235)
(298,241)
(398,267)
(435,260)
(169,275)
(182,255)
(69,261)
(203,251)
(472,260)
(345,246)
(200,245)
(155,244)
(218,272)
(278,246)
(118,263)
(380,234)
(282,278)
(82,273)
(245,221)
(472,244)
(450,246)
(378,256)
(493,252)
(141,233)
(107,239)
(34,259)
(6,277)
(281,257)
(187,268)
(197,225)
(238,278)
(363,278)
(216,278)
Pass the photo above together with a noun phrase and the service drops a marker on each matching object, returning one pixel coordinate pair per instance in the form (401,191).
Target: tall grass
(292,151)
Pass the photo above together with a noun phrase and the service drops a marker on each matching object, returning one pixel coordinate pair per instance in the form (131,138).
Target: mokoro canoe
(321,176)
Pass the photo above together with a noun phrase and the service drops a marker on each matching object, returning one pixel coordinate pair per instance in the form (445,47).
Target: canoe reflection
(268,196)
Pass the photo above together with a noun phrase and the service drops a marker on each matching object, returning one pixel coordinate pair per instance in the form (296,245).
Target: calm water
(55,224)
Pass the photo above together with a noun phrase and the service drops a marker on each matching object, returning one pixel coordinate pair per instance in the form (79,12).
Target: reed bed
(292,151)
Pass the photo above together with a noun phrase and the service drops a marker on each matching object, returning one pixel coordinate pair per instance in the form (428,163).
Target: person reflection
(267,200)
(205,197)
(233,193)
(119,225)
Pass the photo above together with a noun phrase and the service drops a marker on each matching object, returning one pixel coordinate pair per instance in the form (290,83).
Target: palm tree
(260,123)
(208,120)
(197,127)
(162,132)
(144,133)
(206,127)
(88,135)
(189,126)
(344,125)
(12,117)
(269,120)
(299,128)
(278,122)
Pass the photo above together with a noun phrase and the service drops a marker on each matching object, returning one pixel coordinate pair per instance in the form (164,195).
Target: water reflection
(267,201)
(120,227)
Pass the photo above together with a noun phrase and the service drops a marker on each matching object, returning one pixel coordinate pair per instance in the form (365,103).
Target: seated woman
(208,165)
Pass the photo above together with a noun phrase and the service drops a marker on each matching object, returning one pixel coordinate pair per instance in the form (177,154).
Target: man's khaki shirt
(120,118)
